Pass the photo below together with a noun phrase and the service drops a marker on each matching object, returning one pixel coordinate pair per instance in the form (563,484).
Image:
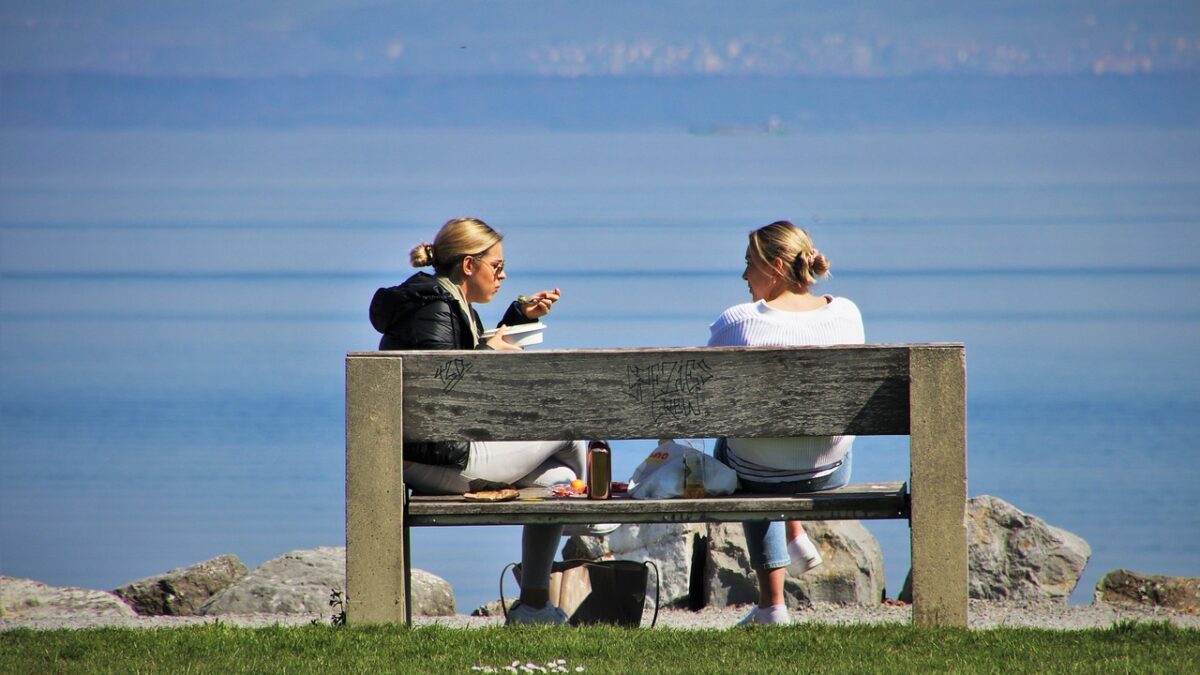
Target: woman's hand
(538,305)
(497,342)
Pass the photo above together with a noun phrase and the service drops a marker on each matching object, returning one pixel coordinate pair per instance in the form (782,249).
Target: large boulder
(852,572)
(668,545)
(183,590)
(26,598)
(1124,587)
(301,582)
(1012,555)
(431,595)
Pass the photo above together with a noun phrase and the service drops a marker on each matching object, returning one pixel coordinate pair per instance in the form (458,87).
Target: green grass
(216,648)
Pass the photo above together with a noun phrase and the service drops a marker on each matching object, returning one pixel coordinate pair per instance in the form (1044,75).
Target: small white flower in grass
(579,669)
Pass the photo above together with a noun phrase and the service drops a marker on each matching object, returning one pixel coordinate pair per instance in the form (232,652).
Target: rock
(301,582)
(1125,587)
(852,572)
(493,608)
(668,545)
(588,548)
(431,595)
(1012,555)
(181,591)
(26,598)
(298,582)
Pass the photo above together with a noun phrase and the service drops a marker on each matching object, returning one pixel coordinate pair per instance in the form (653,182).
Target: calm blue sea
(175,308)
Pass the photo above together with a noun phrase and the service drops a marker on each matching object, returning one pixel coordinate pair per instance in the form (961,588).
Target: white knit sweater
(772,460)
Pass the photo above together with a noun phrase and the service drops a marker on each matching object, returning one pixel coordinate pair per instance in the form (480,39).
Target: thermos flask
(599,470)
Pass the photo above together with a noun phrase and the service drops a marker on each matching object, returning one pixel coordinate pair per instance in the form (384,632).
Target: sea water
(175,308)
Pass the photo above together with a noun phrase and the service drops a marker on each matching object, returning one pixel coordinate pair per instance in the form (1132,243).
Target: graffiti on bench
(672,389)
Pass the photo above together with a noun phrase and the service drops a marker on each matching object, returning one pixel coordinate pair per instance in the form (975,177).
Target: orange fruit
(578,486)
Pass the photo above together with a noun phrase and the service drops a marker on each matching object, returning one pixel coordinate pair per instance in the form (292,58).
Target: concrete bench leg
(939,486)
(376,564)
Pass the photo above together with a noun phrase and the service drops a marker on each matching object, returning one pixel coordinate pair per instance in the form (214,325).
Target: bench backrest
(643,393)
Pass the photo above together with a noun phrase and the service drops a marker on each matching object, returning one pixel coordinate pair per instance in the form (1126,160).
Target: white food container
(521,335)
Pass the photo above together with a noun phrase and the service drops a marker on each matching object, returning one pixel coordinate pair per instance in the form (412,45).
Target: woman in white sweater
(782,265)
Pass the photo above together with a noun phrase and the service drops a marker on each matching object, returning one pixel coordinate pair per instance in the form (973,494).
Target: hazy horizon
(620,38)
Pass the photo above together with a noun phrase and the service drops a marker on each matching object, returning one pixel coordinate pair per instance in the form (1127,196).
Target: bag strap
(504,607)
(657,591)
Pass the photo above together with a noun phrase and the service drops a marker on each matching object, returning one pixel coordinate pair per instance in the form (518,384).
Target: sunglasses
(496,265)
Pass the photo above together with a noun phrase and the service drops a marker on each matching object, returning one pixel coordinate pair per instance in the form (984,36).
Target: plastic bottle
(693,476)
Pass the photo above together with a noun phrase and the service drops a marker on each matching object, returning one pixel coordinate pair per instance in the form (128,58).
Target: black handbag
(598,591)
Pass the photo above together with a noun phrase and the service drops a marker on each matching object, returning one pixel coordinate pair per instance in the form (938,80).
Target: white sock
(802,548)
(775,614)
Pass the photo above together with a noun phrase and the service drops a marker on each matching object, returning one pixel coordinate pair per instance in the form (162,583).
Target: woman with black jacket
(434,311)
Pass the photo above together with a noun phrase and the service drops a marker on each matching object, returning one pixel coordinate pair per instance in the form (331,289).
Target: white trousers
(501,464)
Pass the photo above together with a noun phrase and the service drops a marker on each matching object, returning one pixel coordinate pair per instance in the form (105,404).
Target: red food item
(562,491)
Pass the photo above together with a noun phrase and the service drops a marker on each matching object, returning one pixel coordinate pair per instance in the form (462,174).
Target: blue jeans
(766,541)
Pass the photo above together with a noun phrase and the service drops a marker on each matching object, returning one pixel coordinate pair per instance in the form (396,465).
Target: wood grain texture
(865,501)
(635,393)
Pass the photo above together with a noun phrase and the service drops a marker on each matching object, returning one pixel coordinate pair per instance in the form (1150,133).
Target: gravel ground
(982,615)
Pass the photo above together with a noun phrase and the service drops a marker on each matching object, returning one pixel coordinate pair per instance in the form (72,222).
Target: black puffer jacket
(420,314)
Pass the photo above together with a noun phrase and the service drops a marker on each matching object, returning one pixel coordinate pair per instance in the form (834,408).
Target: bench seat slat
(862,501)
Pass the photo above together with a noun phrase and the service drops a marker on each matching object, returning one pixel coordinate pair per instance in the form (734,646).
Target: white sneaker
(807,558)
(775,615)
(524,615)
(591,530)
(808,563)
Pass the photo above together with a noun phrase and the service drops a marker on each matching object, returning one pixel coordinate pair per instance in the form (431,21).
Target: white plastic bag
(660,475)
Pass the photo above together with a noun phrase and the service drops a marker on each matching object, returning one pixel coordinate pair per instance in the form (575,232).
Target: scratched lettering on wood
(672,389)
(451,372)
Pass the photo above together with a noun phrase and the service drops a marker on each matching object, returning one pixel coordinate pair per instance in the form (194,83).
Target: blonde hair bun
(819,265)
(782,240)
(421,255)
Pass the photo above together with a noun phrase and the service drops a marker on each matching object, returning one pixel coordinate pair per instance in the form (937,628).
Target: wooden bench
(913,390)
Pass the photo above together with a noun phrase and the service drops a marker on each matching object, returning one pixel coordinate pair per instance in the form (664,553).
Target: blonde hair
(803,264)
(458,238)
